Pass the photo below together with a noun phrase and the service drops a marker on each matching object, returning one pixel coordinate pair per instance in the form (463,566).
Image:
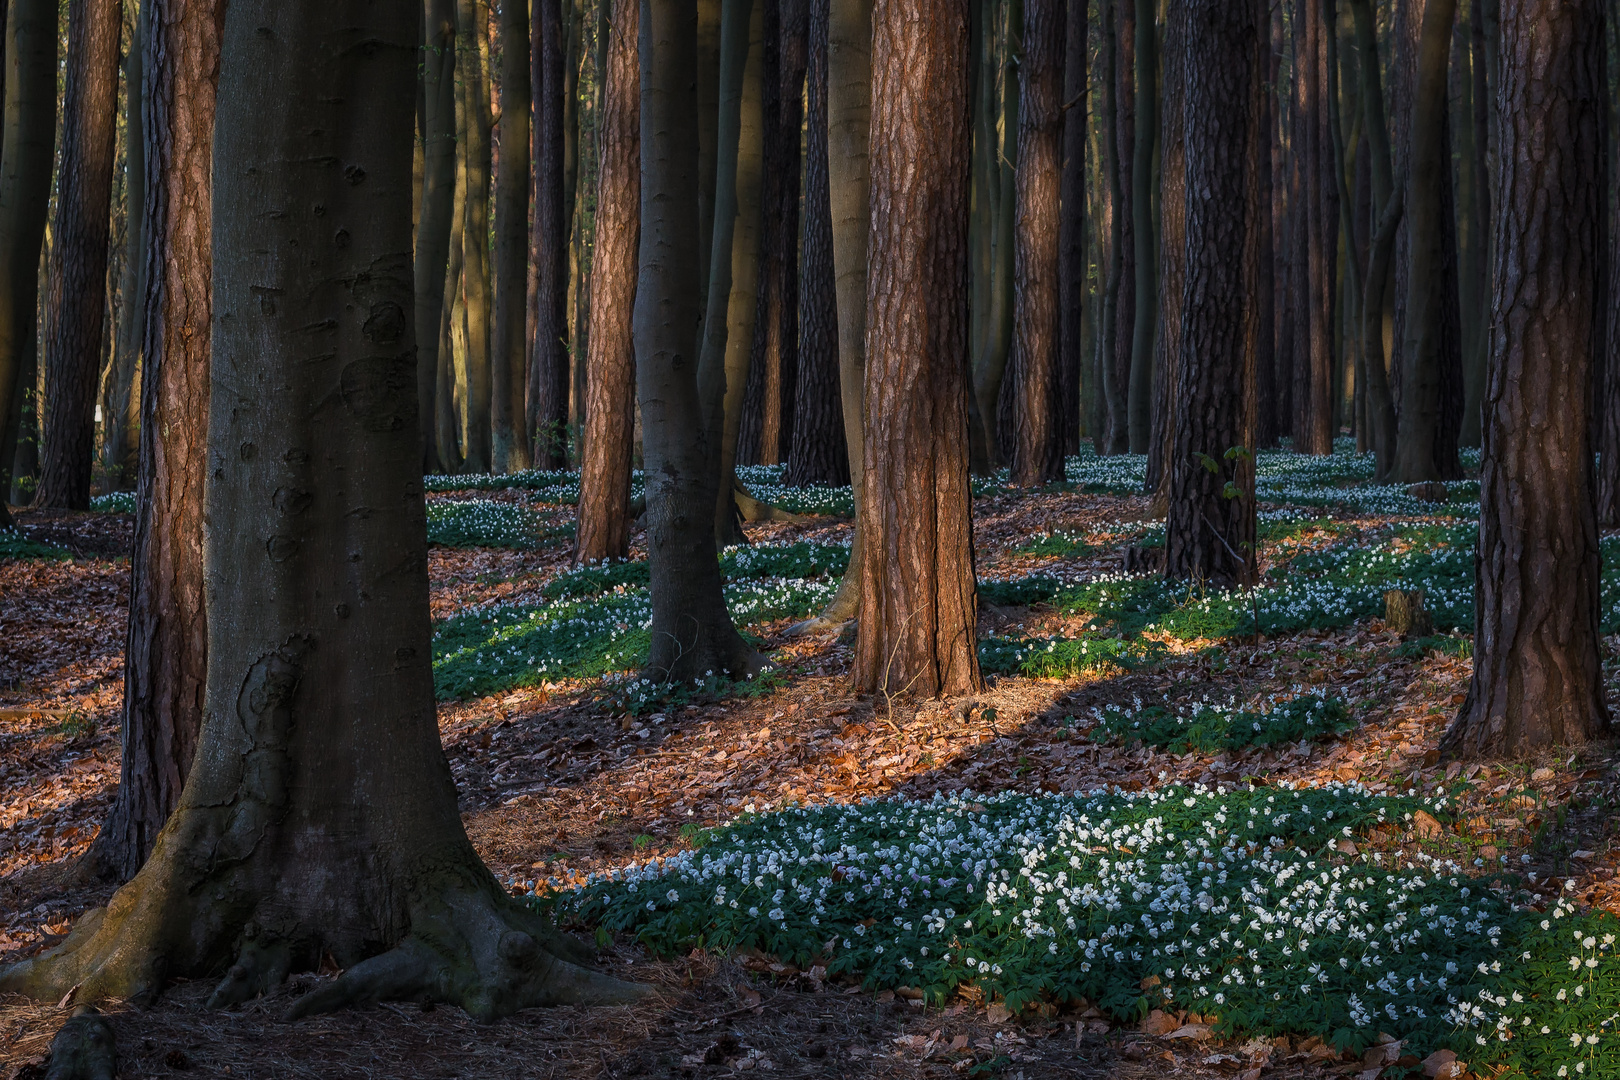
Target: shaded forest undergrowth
(571,768)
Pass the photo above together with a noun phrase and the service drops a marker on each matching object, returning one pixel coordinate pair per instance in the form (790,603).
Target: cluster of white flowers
(482,523)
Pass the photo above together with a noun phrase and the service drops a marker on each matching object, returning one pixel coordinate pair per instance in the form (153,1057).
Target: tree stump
(1404,612)
(1141,559)
(1433,491)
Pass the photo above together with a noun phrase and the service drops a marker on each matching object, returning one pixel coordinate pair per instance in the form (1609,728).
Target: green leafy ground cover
(1210,727)
(1229,902)
(481,523)
(14,545)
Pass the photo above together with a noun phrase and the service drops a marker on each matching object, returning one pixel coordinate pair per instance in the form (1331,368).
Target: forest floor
(568,776)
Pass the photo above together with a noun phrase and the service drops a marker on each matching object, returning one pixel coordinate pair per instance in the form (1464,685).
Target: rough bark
(767,421)
(994,347)
(436,220)
(166,647)
(1072,264)
(1265,376)
(76,296)
(607,447)
(1172,255)
(1322,222)
(26,151)
(1209,534)
(473,16)
(1145,257)
(692,632)
(1538,677)
(121,406)
(323,819)
(509,445)
(1388,206)
(547,405)
(1038,439)
(818,454)
(920,607)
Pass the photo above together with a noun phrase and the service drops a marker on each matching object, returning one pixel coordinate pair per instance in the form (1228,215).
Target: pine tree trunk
(1265,418)
(1116,392)
(1321,223)
(1145,257)
(436,220)
(1209,535)
(547,402)
(920,609)
(509,342)
(166,649)
(26,152)
(995,347)
(120,452)
(1124,217)
(321,819)
(1172,253)
(692,632)
(818,454)
(604,477)
(77,294)
(1538,673)
(1072,264)
(1038,441)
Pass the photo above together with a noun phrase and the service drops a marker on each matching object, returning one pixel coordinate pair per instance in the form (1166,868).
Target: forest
(825,538)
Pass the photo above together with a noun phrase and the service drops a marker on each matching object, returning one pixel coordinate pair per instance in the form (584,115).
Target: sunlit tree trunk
(475,284)
(436,220)
(1538,670)
(920,607)
(121,406)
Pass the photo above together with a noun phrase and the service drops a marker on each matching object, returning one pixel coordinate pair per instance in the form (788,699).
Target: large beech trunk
(548,246)
(508,337)
(692,632)
(919,610)
(25,190)
(436,221)
(604,477)
(1209,534)
(166,650)
(77,297)
(818,454)
(1538,672)
(321,818)
(1037,328)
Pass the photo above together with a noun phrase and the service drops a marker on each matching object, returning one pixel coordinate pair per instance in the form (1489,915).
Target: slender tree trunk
(1038,445)
(995,349)
(320,754)
(509,345)
(452,325)
(1209,535)
(166,649)
(121,407)
(920,607)
(475,284)
(547,397)
(766,423)
(708,105)
(1116,391)
(1125,137)
(26,151)
(1419,451)
(1145,257)
(1322,215)
(1538,671)
(604,476)
(1388,206)
(1265,417)
(438,211)
(818,454)
(1473,277)
(1172,256)
(77,293)
(692,632)
(982,224)
(1072,265)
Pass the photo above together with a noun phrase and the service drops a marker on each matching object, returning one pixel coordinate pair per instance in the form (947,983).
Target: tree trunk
(994,348)
(1388,206)
(475,283)
(121,407)
(1265,375)
(452,324)
(313,767)
(1321,223)
(766,424)
(818,454)
(920,609)
(77,294)
(1172,255)
(435,224)
(26,152)
(1209,535)
(1146,137)
(708,105)
(547,401)
(1538,674)
(607,446)
(692,632)
(1124,216)
(1431,278)
(166,650)
(509,346)
(1038,445)
(728,326)
(1116,392)
(1072,264)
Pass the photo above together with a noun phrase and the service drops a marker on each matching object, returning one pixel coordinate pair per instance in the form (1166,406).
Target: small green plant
(1210,727)
(14,545)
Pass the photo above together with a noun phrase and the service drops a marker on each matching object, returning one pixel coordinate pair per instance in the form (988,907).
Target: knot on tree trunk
(1404,612)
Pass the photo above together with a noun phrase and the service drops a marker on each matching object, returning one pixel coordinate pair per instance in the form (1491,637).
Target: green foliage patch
(482,523)
(1212,727)
(14,545)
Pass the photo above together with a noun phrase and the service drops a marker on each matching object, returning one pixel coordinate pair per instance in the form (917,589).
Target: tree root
(753,510)
(84,1049)
(491,959)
